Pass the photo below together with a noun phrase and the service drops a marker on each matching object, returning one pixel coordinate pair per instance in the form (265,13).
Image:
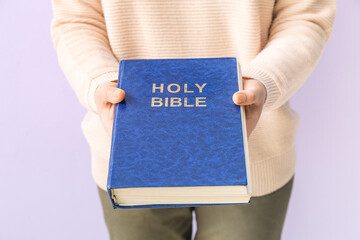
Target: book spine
(111,161)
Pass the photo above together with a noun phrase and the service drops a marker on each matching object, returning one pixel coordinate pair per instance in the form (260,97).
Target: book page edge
(243,122)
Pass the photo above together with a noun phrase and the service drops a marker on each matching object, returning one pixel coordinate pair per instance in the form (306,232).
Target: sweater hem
(267,176)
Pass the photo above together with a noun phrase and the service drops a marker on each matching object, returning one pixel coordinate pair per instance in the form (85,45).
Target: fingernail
(241,98)
(117,93)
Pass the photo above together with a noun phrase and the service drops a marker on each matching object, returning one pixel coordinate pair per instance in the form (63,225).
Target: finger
(244,97)
(107,118)
(107,123)
(114,94)
(252,114)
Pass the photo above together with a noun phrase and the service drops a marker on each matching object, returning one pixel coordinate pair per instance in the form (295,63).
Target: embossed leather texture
(173,146)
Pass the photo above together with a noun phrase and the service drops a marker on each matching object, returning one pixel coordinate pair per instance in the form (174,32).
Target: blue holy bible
(178,138)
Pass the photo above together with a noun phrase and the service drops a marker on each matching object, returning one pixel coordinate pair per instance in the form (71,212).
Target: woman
(278,44)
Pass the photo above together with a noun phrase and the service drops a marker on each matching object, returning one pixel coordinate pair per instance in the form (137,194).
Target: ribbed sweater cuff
(106,77)
(273,92)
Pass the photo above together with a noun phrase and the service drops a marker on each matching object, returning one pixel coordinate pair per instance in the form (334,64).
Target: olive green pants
(262,219)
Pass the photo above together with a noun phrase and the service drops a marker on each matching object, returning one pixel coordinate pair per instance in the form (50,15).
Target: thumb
(114,94)
(244,97)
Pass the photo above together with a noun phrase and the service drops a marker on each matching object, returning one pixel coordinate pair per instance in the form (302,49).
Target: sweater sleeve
(79,34)
(297,36)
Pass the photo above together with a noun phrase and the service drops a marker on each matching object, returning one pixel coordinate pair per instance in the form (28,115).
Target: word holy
(176,101)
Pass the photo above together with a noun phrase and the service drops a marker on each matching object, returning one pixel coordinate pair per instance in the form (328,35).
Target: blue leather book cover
(177,126)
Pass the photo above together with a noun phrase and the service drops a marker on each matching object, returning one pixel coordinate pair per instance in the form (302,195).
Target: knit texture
(276,42)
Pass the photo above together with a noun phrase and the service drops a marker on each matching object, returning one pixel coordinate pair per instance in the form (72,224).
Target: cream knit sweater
(276,41)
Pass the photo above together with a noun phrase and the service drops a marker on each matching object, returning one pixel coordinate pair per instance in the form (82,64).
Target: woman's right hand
(106,96)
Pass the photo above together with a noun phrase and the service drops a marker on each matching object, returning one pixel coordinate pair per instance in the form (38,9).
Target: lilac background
(45,160)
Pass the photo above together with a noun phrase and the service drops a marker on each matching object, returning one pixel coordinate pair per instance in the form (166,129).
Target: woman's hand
(253,98)
(106,96)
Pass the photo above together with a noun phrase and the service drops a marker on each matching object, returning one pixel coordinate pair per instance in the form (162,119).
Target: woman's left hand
(253,97)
